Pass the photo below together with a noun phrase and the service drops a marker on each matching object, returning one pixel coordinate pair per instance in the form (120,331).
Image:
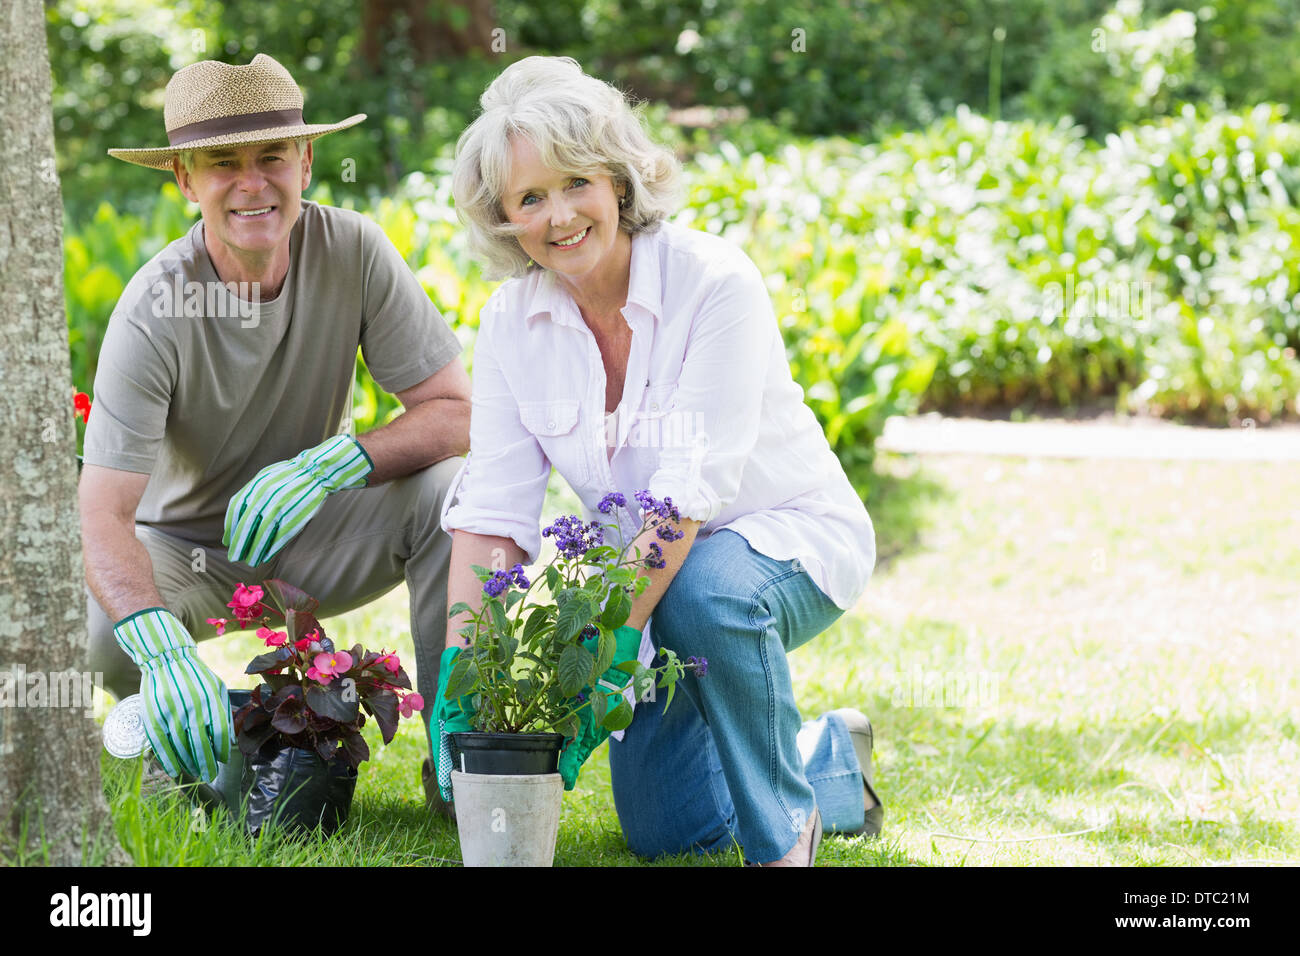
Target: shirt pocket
(555,426)
(657,424)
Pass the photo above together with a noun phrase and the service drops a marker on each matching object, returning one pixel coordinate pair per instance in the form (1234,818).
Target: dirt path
(1112,437)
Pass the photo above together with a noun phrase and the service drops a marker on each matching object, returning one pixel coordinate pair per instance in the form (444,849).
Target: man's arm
(434,425)
(118,569)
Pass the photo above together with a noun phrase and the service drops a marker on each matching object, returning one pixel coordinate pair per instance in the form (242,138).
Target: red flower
(81,406)
(272,638)
(246,603)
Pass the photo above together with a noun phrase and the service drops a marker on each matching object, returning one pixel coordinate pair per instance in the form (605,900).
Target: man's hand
(627,642)
(186,706)
(267,512)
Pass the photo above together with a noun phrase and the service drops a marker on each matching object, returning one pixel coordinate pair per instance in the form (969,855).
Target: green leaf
(574,669)
(619,717)
(553,580)
(482,572)
(605,651)
(621,575)
(513,598)
(642,682)
(499,619)
(617,609)
(568,725)
(535,626)
(573,617)
(464,677)
(599,707)
(504,652)
(459,608)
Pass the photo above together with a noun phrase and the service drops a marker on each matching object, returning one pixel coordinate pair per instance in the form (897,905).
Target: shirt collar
(645,287)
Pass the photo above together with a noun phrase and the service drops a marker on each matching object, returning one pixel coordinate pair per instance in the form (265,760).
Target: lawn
(1066,662)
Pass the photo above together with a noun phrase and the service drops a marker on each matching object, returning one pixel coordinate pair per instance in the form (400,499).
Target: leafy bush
(967,265)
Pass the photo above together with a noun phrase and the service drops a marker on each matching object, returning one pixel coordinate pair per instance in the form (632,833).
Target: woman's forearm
(468,549)
(660,578)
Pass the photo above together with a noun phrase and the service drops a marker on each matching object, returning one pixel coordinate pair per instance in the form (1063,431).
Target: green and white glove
(268,511)
(449,717)
(627,642)
(186,706)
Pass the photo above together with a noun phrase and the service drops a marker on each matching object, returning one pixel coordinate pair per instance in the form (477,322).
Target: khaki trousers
(360,545)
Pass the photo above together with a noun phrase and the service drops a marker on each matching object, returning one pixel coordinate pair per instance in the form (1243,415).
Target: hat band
(224,125)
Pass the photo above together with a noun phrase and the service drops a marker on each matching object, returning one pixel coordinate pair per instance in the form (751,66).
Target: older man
(216,452)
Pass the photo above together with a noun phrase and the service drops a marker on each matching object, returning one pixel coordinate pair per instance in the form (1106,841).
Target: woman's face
(570,222)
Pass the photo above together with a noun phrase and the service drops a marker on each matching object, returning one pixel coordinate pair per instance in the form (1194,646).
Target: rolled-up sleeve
(719,393)
(502,485)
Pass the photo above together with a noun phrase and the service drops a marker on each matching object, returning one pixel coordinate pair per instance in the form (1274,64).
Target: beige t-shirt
(201,390)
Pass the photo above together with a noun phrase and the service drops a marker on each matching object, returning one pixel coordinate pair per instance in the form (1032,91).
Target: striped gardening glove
(268,511)
(186,706)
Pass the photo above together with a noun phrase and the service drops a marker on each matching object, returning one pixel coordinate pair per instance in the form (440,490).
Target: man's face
(250,196)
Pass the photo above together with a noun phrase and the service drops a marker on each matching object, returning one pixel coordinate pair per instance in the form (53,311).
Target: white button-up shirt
(710,416)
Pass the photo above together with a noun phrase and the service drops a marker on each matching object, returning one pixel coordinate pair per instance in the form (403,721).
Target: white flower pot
(507,819)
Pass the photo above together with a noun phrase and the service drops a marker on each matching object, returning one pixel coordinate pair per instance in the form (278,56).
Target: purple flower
(667,533)
(701,665)
(572,537)
(651,505)
(611,501)
(521,582)
(498,584)
(655,559)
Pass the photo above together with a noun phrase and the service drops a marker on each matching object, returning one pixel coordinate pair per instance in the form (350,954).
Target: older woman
(632,353)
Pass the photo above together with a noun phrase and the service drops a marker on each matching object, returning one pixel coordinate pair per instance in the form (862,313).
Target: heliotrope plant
(531,660)
(312,694)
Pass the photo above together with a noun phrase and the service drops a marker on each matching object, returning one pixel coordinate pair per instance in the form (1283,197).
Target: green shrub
(969,265)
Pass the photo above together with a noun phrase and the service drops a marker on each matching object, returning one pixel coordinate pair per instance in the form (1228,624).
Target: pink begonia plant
(272,638)
(326,667)
(312,695)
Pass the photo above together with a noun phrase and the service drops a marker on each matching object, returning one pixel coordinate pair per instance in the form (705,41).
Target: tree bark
(51,803)
(435,29)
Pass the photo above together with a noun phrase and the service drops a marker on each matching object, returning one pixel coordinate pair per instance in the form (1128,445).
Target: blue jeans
(724,763)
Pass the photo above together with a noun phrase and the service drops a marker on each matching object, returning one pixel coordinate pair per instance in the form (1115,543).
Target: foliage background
(973,206)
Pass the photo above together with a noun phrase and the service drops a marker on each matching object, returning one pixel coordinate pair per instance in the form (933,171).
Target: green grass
(1134,627)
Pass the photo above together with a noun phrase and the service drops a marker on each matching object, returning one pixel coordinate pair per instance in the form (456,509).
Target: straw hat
(213,104)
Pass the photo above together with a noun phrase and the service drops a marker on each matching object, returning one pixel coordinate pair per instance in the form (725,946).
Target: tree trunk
(51,804)
(434,29)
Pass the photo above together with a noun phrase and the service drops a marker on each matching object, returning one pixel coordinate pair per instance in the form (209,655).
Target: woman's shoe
(804,851)
(863,740)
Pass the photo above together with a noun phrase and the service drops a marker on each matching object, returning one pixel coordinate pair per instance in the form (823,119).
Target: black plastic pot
(295,788)
(226,791)
(513,754)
